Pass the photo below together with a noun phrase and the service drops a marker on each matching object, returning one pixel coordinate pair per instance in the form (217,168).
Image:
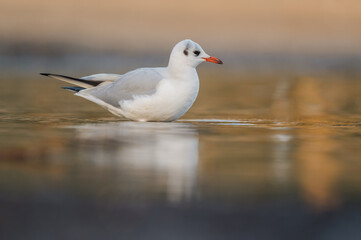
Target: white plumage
(147,94)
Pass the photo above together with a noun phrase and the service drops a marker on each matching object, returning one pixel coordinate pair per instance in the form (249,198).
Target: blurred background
(269,150)
(268,35)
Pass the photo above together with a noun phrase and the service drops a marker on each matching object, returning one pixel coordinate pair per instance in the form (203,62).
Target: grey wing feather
(141,81)
(102,77)
(88,81)
(105,78)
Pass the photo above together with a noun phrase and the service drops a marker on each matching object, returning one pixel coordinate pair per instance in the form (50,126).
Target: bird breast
(172,100)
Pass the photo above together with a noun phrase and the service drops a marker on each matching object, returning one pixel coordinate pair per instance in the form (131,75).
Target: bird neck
(179,68)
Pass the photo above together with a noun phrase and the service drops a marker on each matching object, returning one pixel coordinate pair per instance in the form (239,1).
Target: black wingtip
(92,82)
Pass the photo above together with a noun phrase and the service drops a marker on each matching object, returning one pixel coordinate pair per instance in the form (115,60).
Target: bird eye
(185,52)
(196,52)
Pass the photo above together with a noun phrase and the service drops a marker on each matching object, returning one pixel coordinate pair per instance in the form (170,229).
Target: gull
(161,94)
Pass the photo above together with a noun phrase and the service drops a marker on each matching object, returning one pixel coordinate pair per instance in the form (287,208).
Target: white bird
(147,94)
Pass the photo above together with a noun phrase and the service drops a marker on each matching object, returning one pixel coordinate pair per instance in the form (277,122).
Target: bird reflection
(281,164)
(167,150)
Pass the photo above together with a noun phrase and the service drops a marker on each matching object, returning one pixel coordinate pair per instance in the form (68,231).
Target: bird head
(191,53)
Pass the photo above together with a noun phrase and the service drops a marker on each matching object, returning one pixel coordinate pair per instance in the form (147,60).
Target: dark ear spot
(185,52)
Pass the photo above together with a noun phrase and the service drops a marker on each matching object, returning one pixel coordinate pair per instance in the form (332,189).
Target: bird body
(147,94)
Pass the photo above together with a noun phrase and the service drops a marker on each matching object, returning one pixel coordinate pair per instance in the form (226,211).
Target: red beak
(213,60)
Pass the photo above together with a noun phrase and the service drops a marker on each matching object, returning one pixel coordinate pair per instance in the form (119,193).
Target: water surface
(257,157)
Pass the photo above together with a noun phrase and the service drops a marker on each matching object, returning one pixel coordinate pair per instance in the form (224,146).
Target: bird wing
(141,81)
(88,81)
(102,77)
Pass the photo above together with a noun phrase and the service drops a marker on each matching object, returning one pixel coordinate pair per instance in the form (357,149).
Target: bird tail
(73,89)
(82,83)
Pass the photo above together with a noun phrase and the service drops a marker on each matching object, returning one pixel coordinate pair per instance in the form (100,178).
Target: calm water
(257,157)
